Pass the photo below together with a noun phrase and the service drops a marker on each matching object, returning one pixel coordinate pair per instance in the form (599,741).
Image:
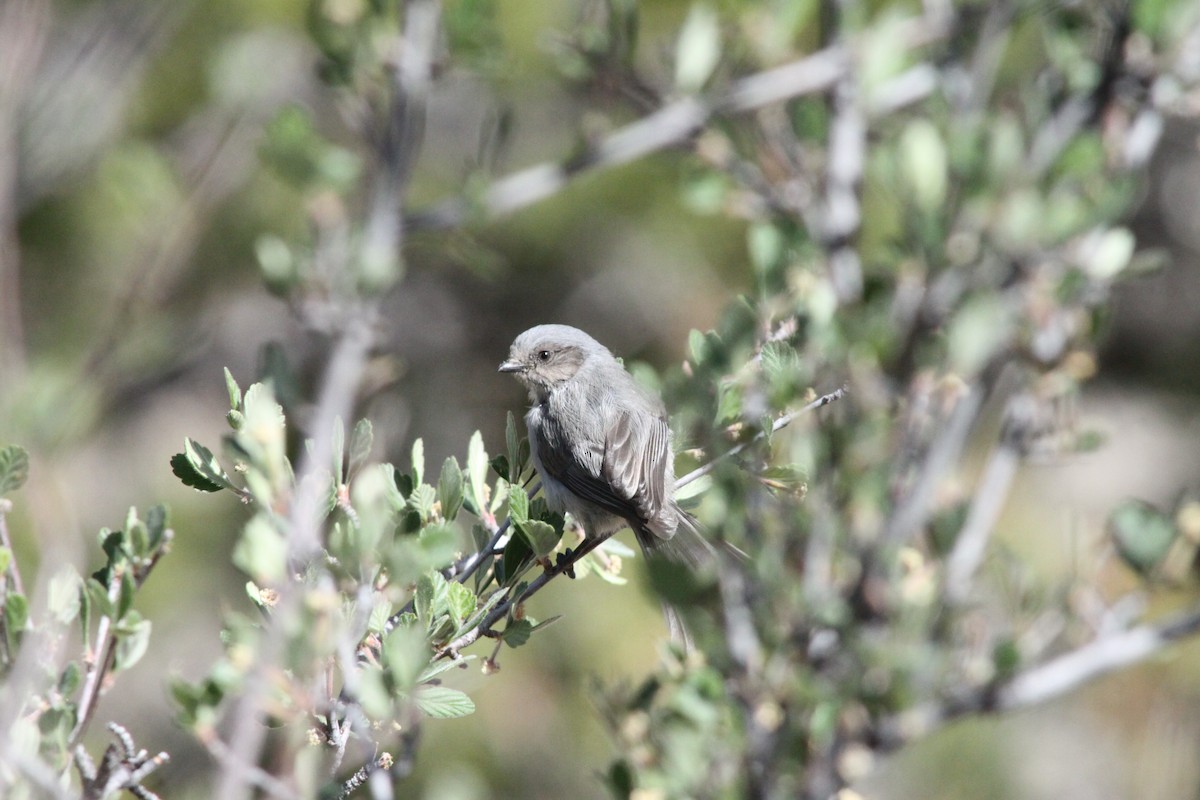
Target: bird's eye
(544,355)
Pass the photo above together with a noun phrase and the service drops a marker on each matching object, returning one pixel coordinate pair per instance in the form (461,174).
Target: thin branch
(1020,427)
(971,544)
(466,567)
(782,422)
(945,450)
(363,774)
(257,776)
(1054,678)
(846,161)
(101,660)
(672,124)
(484,628)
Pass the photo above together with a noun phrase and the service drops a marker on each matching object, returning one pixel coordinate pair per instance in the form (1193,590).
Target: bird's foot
(565,563)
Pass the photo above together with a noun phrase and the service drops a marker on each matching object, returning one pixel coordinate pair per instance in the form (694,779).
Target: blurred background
(134,204)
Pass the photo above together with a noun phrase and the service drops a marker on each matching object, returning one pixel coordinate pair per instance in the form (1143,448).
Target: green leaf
(1107,254)
(361,441)
(235,393)
(156,525)
(197,467)
(1006,657)
(404,482)
(381,612)
(70,679)
(373,693)
(785,477)
(14,468)
(433,670)
(439,545)
(442,702)
(978,330)
(517,555)
(125,595)
(433,593)
(1143,535)
(418,461)
(698,50)
(766,245)
(461,603)
(923,161)
(405,655)
(500,496)
(138,537)
(518,504)
(338,450)
(262,408)
(261,552)
(499,465)
(422,499)
(517,633)
(542,536)
(63,594)
(132,643)
(16,616)
(450,488)
(477,469)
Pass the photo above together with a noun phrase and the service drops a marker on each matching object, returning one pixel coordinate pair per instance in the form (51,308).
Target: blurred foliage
(938,228)
(59,693)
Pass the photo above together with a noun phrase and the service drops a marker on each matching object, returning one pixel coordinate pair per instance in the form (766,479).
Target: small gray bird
(602,444)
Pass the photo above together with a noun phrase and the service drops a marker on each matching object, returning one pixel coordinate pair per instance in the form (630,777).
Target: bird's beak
(512,366)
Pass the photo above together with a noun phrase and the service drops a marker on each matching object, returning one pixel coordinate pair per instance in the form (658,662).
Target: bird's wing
(624,474)
(635,460)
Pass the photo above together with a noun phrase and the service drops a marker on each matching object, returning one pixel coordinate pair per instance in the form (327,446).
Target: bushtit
(601,443)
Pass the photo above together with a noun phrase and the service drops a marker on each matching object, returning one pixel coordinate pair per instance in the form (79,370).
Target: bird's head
(548,356)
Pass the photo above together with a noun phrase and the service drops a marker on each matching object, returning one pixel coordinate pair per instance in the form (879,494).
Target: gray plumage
(601,443)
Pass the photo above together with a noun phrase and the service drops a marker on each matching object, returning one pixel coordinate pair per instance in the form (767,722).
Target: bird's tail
(687,547)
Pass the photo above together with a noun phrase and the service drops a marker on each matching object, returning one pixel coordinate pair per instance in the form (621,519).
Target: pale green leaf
(442,702)
(477,470)
(14,468)
(698,49)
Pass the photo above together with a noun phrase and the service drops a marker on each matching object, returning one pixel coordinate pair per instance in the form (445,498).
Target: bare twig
(847,156)
(1046,681)
(910,515)
(782,422)
(249,772)
(98,663)
(502,608)
(122,768)
(1019,429)
(986,506)
(671,125)
(363,773)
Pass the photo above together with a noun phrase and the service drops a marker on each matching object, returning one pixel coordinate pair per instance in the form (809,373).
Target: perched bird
(602,444)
